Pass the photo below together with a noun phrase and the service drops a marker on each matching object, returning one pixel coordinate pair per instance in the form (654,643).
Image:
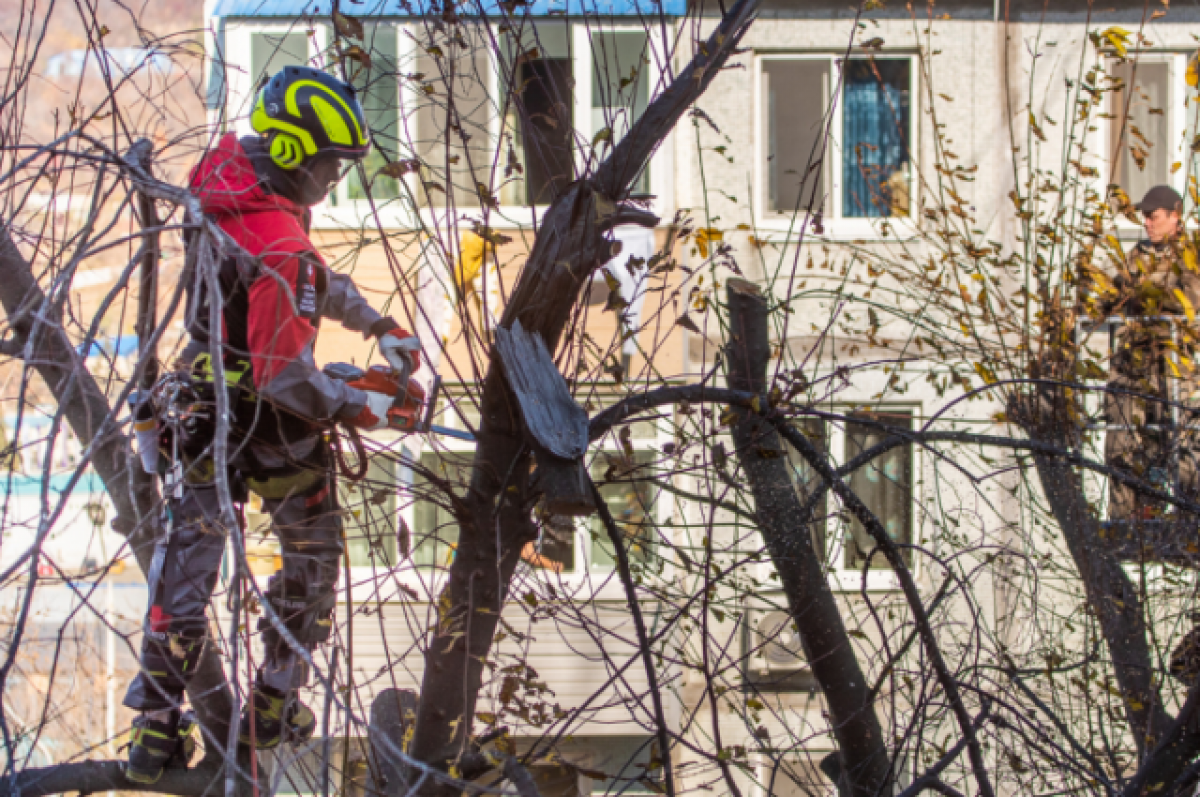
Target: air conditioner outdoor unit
(774,652)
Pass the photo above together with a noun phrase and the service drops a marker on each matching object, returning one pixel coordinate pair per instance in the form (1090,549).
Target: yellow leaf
(1174,368)
(1188,310)
(1189,258)
(985,374)
(1193,70)
(604,134)
(1118,37)
(472,250)
(705,235)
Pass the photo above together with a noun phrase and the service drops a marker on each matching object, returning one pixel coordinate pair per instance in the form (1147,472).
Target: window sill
(426,583)
(397,215)
(774,230)
(852,581)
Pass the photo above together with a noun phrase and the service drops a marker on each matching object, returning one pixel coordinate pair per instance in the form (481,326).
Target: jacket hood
(227,184)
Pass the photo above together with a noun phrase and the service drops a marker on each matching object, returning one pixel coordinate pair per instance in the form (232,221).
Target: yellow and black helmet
(305,112)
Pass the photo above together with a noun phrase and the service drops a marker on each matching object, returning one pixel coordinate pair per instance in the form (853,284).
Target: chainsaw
(411,411)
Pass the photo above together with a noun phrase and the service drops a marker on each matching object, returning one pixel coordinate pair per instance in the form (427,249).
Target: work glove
(374,414)
(402,350)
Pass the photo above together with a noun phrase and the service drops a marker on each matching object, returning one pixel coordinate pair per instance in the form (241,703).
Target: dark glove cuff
(382,327)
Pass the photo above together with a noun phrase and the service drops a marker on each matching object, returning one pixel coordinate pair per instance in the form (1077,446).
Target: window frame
(1177,122)
(779,226)
(349,214)
(839,577)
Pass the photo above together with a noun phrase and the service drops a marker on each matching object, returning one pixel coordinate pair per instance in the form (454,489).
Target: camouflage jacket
(1155,280)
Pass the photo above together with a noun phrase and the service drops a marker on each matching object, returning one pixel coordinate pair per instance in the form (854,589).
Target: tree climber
(259,190)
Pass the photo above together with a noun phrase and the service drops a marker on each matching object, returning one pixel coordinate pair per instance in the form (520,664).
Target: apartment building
(816,143)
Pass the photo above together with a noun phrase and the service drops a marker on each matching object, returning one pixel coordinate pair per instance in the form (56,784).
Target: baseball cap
(1161,196)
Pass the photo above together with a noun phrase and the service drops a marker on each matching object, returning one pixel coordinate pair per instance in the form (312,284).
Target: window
(434,529)
(371,522)
(271,52)
(1152,123)
(302,771)
(450,92)
(620,88)
(885,485)
(805,479)
(875,128)
(1140,125)
(626,762)
(378,91)
(794,135)
(538,75)
(626,486)
(788,775)
(865,169)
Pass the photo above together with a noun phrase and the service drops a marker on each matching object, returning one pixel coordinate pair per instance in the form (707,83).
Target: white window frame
(240,103)
(763,763)
(582,582)
(396,215)
(1177,114)
(839,577)
(776,227)
(606,584)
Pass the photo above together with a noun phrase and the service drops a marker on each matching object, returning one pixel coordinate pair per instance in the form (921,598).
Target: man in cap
(1156,293)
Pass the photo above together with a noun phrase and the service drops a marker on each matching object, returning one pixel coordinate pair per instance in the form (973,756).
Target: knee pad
(306,610)
(170,658)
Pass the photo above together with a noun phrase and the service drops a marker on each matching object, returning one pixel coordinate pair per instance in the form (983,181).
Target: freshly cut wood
(552,417)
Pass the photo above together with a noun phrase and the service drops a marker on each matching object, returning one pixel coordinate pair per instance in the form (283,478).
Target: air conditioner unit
(774,653)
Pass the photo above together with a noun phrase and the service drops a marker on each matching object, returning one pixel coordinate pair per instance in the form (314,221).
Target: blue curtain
(875,129)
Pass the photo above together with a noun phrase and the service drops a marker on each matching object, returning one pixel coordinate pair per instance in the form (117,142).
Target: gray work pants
(305,516)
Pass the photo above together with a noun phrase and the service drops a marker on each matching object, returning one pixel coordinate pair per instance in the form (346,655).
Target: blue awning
(293,9)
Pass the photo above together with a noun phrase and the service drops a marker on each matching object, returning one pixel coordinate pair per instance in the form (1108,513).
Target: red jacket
(275,300)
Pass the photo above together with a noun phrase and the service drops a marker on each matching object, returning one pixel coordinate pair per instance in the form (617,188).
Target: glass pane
(453,113)
(884,485)
(555,547)
(620,87)
(435,532)
(371,516)
(295,771)
(804,479)
(271,52)
(875,156)
(538,107)
(630,498)
(1140,127)
(791,777)
(794,102)
(379,92)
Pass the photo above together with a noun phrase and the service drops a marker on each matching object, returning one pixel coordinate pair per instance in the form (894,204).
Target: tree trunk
(787,532)
(135,497)
(1110,593)
(570,246)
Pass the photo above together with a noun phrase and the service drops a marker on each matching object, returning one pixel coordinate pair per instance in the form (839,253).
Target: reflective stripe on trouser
(305,517)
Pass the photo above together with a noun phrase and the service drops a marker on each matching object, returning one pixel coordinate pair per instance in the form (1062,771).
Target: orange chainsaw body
(407,407)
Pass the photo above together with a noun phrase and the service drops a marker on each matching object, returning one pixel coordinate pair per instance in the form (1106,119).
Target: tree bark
(570,245)
(787,532)
(1110,593)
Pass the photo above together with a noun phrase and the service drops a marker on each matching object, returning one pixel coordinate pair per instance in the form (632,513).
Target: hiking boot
(277,717)
(155,745)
